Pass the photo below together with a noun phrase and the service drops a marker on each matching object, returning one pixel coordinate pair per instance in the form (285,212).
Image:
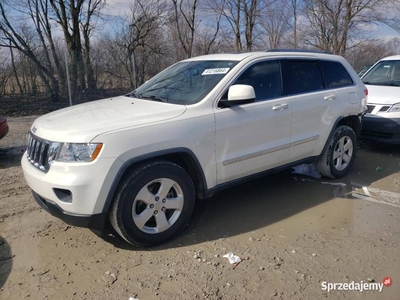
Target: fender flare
(201,186)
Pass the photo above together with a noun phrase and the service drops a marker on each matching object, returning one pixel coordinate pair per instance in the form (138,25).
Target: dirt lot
(297,232)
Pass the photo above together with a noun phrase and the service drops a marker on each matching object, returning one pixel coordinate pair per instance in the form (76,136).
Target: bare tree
(295,10)
(242,18)
(91,10)
(233,14)
(143,36)
(37,42)
(112,67)
(208,39)
(136,50)
(333,24)
(5,72)
(184,17)
(370,52)
(40,11)
(141,44)
(15,72)
(251,13)
(19,34)
(71,15)
(276,23)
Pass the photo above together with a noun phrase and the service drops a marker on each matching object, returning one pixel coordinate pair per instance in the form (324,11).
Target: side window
(265,77)
(302,76)
(335,75)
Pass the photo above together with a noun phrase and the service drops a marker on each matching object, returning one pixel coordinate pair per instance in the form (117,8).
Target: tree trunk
(21,91)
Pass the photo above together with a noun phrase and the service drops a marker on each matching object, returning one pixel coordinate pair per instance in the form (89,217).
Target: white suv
(203,124)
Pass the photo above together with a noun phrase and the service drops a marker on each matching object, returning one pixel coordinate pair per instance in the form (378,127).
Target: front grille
(37,152)
(384,108)
(370,108)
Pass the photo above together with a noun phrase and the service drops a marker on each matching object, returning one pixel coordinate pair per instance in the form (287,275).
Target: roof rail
(299,50)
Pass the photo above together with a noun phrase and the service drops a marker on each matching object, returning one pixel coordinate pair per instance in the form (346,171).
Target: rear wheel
(338,156)
(153,203)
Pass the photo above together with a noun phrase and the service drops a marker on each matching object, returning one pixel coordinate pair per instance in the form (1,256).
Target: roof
(393,57)
(270,53)
(299,51)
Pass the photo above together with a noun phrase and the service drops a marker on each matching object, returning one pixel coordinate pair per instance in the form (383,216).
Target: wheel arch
(323,161)
(183,157)
(351,121)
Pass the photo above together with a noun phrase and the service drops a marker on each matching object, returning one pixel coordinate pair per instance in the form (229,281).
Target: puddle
(376,195)
(287,205)
(282,201)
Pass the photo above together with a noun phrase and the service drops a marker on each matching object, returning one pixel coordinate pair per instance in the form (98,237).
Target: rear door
(315,109)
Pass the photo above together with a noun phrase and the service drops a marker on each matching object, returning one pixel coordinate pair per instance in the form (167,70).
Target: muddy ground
(296,231)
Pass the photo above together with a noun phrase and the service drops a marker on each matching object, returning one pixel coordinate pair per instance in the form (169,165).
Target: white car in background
(382,121)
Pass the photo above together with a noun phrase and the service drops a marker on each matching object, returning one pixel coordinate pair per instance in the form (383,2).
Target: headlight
(73,152)
(52,152)
(394,108)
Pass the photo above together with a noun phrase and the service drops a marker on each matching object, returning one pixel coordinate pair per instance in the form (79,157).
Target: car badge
(34,129)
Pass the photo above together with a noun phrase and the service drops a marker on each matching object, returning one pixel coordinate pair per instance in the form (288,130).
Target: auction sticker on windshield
(215,71)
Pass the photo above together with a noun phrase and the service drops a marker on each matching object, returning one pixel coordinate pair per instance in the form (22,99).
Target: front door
(254,137)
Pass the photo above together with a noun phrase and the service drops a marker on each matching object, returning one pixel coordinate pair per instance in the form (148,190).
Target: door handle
(330,97)
(280,106)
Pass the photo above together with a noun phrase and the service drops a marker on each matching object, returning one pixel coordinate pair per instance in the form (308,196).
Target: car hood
(379,94)
(81,123)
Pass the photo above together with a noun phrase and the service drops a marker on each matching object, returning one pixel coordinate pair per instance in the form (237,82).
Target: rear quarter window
(335,74)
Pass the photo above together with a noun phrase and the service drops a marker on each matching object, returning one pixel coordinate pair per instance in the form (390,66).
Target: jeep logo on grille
(34,129)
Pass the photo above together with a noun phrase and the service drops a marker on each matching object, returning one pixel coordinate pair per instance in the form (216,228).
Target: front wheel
(153,203)
(338,155)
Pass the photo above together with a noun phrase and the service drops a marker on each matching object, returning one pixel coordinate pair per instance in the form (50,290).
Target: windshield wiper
(154,98)
(140,96)
(134,95)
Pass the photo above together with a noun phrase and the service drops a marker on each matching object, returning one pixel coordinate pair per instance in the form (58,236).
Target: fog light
(63,195)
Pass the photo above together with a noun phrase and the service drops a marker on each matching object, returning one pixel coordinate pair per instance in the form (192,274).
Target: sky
(120,7)
(385,32)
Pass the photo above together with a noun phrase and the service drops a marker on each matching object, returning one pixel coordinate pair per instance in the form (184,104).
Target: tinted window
(265,78)
(335,74)
(302,77)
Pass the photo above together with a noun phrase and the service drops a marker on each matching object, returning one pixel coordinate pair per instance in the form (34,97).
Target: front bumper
(72,189)
(95,222)
(381,129)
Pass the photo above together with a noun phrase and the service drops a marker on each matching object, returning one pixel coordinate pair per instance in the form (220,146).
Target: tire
(338,155)
(153,204)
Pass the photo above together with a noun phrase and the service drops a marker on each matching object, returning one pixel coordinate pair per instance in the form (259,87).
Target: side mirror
(239,94)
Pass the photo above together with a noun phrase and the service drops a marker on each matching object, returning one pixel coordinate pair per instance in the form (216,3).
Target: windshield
(185,82)
(386,72)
